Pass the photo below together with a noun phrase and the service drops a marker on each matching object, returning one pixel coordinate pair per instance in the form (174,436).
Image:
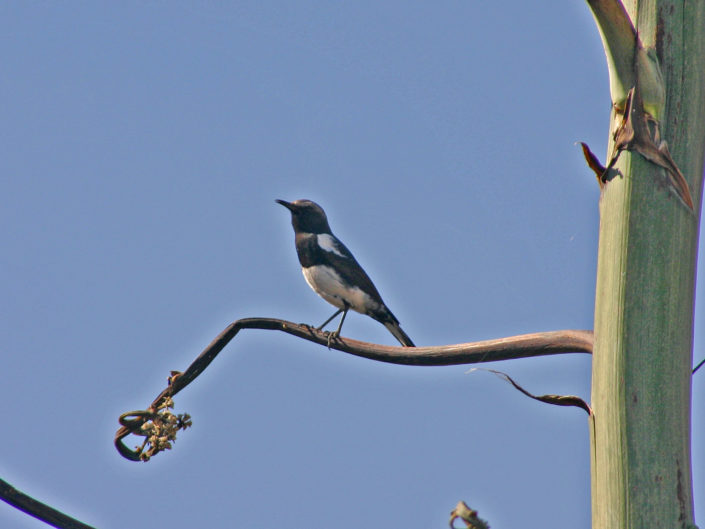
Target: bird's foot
(332,336)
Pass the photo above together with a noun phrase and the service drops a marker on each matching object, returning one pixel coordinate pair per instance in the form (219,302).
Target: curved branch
(522,346)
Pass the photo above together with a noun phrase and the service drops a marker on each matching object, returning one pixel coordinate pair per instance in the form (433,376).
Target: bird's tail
(400,335)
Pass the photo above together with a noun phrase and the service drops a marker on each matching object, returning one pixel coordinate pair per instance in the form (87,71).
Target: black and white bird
(332,271)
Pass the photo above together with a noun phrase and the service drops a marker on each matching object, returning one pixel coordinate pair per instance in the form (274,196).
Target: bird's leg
(333,335)
(329,319)
(340,325)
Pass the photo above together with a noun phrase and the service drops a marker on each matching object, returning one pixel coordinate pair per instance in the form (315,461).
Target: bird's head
(306,216)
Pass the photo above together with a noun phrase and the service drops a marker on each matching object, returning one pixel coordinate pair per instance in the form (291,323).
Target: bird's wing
(337,256)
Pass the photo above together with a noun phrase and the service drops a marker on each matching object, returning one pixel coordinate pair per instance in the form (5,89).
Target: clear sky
(143,145)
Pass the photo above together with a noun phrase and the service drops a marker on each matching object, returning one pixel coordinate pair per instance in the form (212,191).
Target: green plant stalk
(623,48)
(641,387)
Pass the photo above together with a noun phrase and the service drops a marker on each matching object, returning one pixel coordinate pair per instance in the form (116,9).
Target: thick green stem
(640,431)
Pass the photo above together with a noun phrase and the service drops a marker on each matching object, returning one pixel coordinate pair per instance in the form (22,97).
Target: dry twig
(41,511)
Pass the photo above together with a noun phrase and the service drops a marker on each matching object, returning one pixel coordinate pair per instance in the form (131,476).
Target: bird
(333,273)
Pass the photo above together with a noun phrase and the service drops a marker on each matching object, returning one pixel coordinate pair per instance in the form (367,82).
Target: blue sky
(143,145)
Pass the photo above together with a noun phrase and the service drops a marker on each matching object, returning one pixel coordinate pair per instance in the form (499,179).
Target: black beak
(288,205)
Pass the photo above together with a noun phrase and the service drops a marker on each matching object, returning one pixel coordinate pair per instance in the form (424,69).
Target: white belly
(327,284)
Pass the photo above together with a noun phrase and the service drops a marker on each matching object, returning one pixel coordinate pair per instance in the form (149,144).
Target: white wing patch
(328,243)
